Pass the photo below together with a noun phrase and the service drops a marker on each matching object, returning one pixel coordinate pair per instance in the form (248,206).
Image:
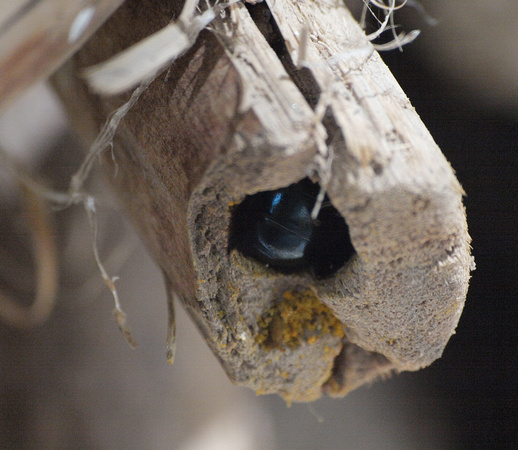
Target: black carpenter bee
(276,228)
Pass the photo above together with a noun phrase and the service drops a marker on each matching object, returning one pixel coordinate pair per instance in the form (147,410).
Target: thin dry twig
(152,55)
(400,40)
(75,195)
(104,139)
(388,9)
(324,156)
(171,326)
(118,313)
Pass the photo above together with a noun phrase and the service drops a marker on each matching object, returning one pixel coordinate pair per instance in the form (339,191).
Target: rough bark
(234,117)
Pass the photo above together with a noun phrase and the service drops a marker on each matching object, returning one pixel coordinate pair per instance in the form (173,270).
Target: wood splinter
(235,117)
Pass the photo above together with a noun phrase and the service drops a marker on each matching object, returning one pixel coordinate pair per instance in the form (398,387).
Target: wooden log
(235,117)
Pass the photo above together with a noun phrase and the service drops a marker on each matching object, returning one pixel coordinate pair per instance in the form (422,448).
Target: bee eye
(275,227)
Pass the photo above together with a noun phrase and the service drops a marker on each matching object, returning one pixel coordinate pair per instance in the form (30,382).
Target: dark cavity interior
(275,228)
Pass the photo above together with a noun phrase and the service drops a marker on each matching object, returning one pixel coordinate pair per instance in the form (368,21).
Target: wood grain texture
(234,117)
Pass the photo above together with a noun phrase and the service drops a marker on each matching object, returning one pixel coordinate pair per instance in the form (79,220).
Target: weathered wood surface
(233,117)
(37,36)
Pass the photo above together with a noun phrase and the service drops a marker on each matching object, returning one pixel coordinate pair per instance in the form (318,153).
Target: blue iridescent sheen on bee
(276,228)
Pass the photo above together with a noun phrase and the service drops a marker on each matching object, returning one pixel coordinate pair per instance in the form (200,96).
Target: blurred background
(75,383)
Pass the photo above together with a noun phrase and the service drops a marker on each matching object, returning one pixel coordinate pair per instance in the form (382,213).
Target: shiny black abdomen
(275,227)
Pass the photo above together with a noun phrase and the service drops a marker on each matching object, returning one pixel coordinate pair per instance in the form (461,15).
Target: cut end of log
(235,117)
